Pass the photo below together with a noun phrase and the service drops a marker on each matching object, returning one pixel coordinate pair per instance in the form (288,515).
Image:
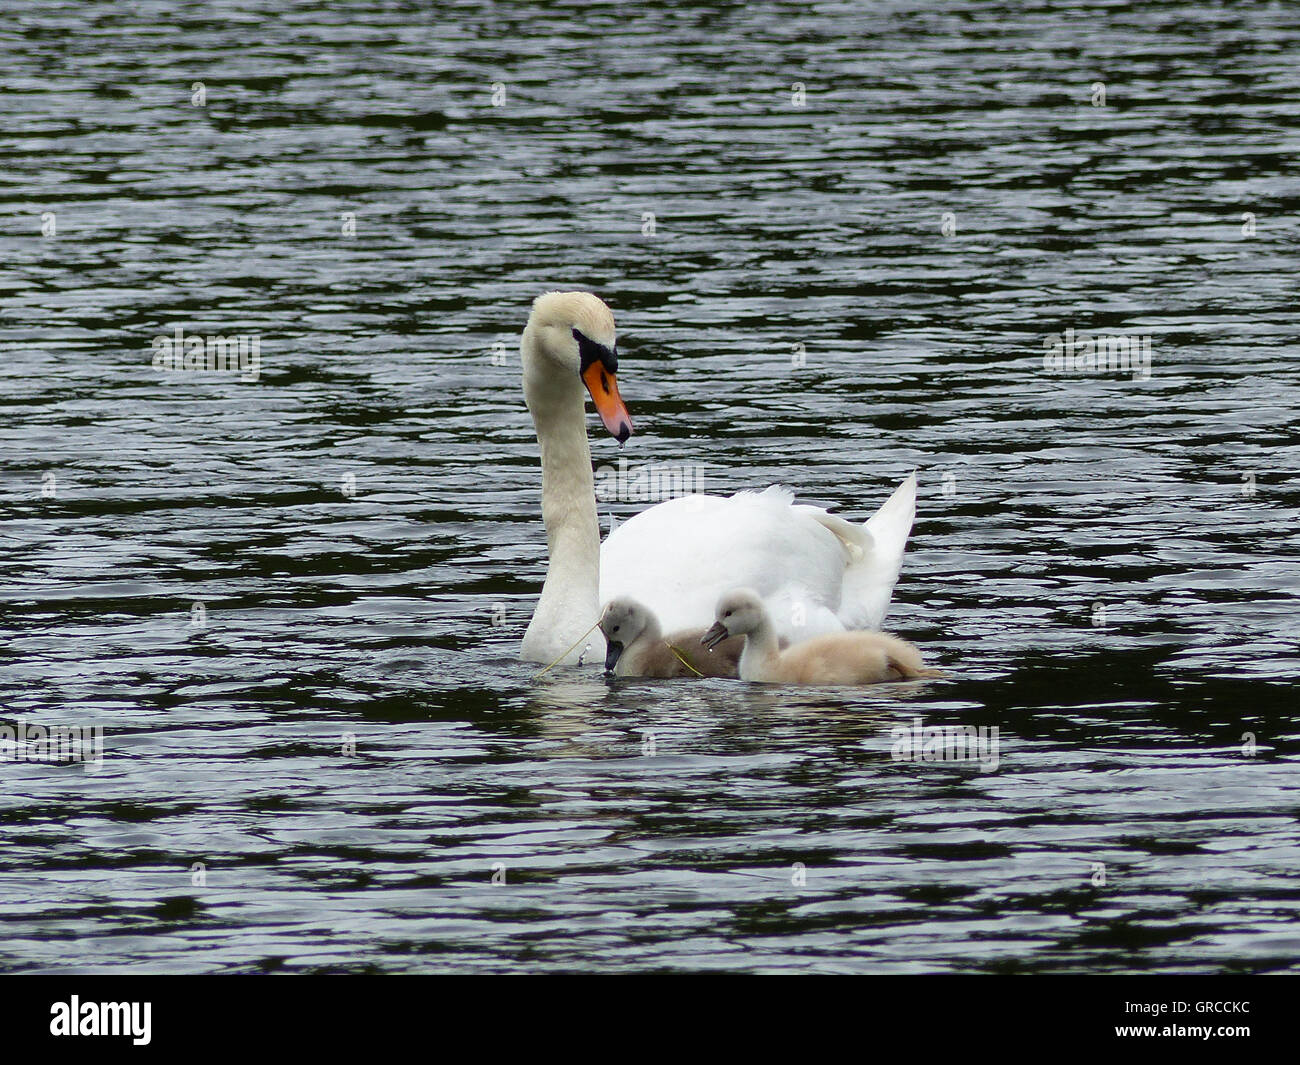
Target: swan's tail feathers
(869,581)
(891,524)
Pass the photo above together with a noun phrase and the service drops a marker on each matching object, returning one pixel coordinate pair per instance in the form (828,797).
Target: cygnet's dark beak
(613,652)
(715,635)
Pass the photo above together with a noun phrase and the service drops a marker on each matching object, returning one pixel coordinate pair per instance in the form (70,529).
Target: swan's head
(623,622)
(571,335)
(738,613)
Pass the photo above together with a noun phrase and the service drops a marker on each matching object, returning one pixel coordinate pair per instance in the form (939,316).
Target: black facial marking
(591,352)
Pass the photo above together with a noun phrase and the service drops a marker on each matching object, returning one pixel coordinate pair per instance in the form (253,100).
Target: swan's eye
(727,614)
(614,629)
(590,351)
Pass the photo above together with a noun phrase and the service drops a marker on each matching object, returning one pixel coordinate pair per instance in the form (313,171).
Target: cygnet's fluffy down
(837,658)
(635,646)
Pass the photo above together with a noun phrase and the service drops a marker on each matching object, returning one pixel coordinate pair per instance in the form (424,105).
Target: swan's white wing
(679,557)
(869,583)
(875,556)
(816,572)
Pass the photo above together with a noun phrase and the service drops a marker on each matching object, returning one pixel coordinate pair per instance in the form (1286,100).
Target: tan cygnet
(838,658)
(635,646)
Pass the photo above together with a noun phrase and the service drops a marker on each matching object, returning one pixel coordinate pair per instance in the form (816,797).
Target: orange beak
(603,387)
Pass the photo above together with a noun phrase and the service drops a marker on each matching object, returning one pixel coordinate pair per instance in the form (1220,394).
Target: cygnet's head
(738,613)
(622,622)
(570,335)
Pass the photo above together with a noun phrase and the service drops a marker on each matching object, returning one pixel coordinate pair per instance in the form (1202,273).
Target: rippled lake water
(836,237)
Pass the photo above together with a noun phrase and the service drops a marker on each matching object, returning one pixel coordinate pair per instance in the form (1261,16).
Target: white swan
(816,573)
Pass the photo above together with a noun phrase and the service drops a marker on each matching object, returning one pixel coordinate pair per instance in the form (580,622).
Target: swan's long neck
(760,652)
(570,597)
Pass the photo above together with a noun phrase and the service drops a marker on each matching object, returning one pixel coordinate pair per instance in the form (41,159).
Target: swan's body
(636,646)
(815,572)
(838,658)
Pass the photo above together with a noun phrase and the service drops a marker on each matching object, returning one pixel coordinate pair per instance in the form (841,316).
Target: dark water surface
(1106,565)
